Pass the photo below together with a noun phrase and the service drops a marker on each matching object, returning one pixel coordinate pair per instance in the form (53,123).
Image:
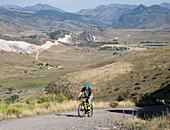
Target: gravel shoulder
(102,119)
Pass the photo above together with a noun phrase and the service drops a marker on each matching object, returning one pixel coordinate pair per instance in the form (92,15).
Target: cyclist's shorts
(91,98)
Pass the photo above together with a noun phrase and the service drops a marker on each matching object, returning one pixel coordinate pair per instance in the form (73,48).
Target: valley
(48,54)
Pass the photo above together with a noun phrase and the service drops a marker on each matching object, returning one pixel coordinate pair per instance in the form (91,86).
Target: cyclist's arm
(80,94)
(91,92)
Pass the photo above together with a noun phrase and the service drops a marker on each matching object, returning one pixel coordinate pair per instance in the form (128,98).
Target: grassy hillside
(133,77)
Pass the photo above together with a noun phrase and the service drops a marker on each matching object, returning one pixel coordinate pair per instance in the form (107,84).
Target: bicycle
(83,109)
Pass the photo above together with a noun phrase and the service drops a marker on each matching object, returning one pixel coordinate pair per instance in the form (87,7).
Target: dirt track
(102,119)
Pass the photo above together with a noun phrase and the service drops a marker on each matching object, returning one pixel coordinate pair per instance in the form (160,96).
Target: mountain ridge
(34,8)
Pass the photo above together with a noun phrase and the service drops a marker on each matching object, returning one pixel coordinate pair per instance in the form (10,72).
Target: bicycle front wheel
(81,110)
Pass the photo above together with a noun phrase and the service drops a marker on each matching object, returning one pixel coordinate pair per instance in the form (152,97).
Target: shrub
(154,77)
(124,95)
(61,97)
(137,83)
(19,105)
(116,89)
(114,104)
(44,98)
(134,94)
(7,101)
(68,96)
(13,98)
(46,105)
(10,89)
(158,74)
(145,77)
(137,88)
(13,110)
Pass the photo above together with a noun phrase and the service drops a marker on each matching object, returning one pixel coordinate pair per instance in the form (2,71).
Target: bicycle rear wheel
(90,113)
(81,110)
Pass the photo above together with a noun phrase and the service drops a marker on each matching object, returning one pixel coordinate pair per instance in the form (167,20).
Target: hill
(165,5)
(46,20)
(107,13)
(34,8)
(144,17)
(133,77)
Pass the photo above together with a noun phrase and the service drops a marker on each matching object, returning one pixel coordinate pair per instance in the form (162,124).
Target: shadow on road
(67,115)
(143,112)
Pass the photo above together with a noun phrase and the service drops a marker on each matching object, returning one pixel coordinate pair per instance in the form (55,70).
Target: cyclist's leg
(89,100)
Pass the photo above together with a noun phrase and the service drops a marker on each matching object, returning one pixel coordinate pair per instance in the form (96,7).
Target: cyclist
(87,93)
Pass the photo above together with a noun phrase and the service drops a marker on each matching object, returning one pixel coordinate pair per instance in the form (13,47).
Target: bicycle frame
(86,104)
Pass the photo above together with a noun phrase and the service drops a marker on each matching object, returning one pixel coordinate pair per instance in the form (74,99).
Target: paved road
(102,119)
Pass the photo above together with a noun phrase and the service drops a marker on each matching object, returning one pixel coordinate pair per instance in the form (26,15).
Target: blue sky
(76,5)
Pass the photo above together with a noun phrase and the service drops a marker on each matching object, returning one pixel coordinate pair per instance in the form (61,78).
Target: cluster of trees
(58,34)
(114,48)
(12,99)
(151,42)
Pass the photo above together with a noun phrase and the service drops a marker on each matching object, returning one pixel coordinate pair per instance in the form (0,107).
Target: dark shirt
(87,92)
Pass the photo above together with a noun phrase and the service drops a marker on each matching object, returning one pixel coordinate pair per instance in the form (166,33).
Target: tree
(13,98)
(10,89)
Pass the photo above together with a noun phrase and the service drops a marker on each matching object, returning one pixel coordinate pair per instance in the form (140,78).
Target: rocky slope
(20,46)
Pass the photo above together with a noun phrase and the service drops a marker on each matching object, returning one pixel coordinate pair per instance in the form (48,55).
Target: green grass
(40,82)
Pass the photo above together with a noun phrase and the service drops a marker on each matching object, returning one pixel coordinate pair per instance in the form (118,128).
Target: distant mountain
(165,5)
(144,17)
(11,7)
(35,8)
(107,13)
(48,20)
(39,7)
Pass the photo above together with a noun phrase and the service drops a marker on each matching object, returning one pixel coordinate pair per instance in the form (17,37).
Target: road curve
(102,119)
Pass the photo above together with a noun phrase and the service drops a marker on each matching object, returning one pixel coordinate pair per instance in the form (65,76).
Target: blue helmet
(86,85)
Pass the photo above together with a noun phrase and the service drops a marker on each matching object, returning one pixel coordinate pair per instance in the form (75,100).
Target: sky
(76,5)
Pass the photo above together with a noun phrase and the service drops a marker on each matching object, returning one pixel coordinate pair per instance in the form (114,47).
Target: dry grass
(123,104)
(155,123)
(22,110)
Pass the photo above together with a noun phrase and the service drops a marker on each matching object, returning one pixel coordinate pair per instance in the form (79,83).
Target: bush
(61,97)
(134,94)
(44,98)
(10,89)
(137,88)
(145,77)
(13,110)
(68,96)
(7,101)
(154,77)
(114,104)
(116,89)
(124,95)
(13,98)
(137,83)
(46,105)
